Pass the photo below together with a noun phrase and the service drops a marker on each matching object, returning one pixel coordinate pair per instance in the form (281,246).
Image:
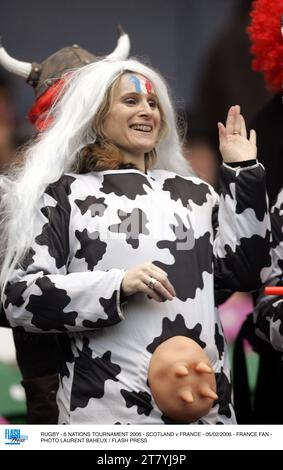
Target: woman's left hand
(233,142)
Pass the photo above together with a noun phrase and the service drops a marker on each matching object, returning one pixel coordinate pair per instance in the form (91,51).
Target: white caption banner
(143,438)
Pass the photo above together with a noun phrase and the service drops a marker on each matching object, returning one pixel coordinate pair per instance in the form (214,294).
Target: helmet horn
(22,69)
(122,49)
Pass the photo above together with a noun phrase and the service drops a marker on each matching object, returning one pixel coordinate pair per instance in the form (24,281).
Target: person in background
(267,48)
(263,328)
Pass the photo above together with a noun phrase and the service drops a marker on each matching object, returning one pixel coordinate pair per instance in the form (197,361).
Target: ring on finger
(151,282)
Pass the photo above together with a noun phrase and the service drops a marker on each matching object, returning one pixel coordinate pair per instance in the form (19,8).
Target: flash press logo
(13,437)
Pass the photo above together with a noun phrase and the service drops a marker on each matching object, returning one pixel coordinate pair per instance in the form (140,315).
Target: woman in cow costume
(109,240)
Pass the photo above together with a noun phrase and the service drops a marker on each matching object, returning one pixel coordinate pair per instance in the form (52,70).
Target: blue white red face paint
(142,84)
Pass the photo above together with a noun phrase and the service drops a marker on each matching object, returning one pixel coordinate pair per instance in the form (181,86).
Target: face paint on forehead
(142,84)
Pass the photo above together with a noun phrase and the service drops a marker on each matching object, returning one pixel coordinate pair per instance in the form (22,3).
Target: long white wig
(54,152)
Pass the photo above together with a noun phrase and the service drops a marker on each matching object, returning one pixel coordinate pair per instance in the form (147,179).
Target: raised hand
(233,142)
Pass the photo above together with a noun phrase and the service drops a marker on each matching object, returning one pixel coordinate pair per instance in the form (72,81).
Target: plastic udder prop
(182,380)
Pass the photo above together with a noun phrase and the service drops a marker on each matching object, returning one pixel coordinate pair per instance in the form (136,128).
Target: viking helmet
(46,77)
(42,76)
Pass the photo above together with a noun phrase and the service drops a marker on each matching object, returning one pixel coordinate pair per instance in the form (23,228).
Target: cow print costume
(93,227)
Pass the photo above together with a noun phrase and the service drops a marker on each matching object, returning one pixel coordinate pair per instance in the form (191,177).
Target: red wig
(267,41)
